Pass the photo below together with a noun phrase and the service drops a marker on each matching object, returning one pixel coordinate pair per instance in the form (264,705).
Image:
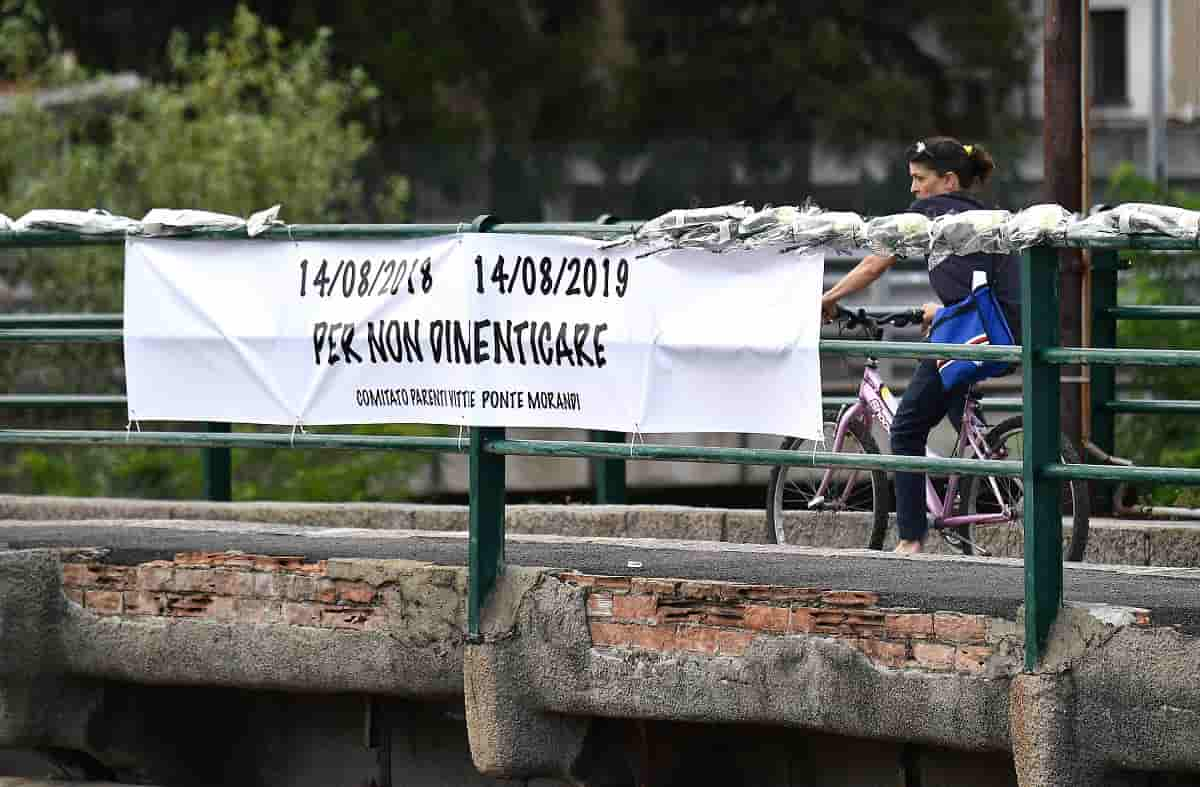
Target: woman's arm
(863,274)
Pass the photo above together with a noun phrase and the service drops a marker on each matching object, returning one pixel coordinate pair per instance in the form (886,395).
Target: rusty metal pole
(1062,139)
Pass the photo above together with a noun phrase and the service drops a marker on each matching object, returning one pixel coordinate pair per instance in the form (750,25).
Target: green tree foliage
(1159,279)
(238,124)
(487,102)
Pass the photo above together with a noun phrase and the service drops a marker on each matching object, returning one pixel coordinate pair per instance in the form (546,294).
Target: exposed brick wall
(725,618)
(229,586)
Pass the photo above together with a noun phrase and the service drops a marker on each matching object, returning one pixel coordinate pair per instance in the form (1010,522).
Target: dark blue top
(951,279)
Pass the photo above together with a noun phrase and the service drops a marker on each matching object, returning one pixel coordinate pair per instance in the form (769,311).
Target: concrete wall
(258,669)
(1112,541)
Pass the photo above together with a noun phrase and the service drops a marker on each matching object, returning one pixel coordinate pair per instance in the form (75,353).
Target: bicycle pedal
(955,540)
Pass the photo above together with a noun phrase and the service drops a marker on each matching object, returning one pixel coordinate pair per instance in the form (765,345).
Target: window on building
(1107,50)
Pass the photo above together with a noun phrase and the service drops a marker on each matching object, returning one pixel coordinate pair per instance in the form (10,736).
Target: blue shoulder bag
(977,319)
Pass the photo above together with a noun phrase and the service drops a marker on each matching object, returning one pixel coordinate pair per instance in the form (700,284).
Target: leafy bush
(1159,279)
(244,121)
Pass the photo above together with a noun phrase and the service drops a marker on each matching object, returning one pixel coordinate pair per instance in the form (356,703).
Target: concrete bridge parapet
(577,673)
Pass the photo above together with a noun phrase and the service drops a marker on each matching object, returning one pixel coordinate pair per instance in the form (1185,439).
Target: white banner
(473,329)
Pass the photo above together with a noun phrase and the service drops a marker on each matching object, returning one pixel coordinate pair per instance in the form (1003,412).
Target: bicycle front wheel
(1007,441)
(851,500)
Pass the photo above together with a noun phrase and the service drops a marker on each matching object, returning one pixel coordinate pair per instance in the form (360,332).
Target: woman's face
(926,182)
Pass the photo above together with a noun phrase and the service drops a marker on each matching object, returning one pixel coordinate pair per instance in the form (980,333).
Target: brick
(155,577)
(934,655)
(658,587)
(600,605)
(972,658)
(733,643)
(576,579)
(195,580)
(74,595)
(712,641)
(908,625)
(142,602)
(632,635)
(77,574)
(702,591)
(271,585)
(612,583)
(1141,617)
(320,568)
(758,617)
(257,610)
(302,588)
(326,591)
(850,598)
(103,602)
(672,611)
(719,615)
(888,654)
(696,639)
(866,622)
(828,621)
(278,562)
(802,621)
(200,605)
(298,614)
(354,592)
(199,559)
(239,560)
(959,627)
(229,582)
(345,617)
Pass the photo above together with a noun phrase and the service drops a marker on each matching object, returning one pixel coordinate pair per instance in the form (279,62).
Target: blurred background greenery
(442,109)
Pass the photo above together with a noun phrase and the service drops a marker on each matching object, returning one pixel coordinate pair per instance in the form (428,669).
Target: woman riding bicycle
(942,171)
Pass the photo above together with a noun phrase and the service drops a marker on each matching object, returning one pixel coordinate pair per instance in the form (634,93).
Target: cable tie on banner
(461,428)
(637,435)
(131,424)
(291,237)
(298,425)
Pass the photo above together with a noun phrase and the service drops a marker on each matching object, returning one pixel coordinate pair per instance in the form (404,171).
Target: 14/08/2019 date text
(365,278)
(568,276)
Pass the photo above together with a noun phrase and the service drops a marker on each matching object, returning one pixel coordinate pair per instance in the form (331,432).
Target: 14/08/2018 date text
(364,279)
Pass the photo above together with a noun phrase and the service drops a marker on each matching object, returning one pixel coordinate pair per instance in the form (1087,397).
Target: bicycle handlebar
(860,318)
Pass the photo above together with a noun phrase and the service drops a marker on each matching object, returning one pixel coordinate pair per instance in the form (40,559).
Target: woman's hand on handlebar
(829,310)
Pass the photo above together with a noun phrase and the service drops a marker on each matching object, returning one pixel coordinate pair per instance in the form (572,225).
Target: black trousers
(925,403)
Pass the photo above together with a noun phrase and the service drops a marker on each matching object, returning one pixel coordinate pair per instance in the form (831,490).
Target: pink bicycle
(956,505)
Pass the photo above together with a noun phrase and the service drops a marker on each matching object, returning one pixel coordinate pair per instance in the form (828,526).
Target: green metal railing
(1040,356)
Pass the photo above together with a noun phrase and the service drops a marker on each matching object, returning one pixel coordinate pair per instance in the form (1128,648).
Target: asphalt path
(977,585)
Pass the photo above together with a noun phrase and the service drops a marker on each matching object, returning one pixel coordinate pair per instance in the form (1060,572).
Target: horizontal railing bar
(61,320)
(970,352)
(322,231)
(233,440)
(63,400)
(306,231)
(1133,242)
(1122,356)
(750,456)
(61,335)
(1168,475)
(999,404)
(1153,406)
(1152,312)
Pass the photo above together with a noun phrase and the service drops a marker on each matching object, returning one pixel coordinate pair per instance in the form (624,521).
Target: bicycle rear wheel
(1006,441)
(852,498)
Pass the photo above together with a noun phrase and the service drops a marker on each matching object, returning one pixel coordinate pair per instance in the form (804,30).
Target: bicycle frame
(876,402)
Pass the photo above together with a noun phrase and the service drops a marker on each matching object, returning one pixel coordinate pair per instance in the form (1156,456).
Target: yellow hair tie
(969,148)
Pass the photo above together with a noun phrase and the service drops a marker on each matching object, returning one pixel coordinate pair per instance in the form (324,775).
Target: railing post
(487,523)
(608,475)
(1103,376)
(486,558)
(1043,511)
(218,467)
